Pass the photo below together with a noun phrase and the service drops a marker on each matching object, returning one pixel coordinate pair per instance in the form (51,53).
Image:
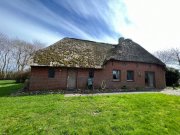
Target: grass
(117,114)
(9,86)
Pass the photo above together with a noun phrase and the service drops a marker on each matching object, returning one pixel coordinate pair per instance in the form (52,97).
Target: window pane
(130,75)
(51,72)
(116,74)
(91,73)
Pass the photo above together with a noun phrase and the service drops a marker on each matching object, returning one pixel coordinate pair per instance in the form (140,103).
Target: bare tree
(23,52)
(164,56)
(5,54)
(15,54)
(171,56)
(176,55)
(38,44)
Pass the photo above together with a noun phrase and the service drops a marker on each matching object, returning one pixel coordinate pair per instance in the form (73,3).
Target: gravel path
(171,92)
(165,91)
(113,93)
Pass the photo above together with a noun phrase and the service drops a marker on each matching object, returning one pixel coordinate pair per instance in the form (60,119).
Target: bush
(10,75)
(172,77)
(22,76)
(124,87)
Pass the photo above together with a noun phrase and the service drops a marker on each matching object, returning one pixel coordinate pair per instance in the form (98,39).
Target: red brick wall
(39,79)
(39,76)
(139,75)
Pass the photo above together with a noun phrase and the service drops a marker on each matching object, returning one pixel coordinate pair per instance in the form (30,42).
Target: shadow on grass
(7,87)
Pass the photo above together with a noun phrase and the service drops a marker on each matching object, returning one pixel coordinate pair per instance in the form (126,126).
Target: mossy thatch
(70,52)
(128,50)
(73,53)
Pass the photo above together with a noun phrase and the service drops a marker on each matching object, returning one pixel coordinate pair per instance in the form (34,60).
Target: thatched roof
(70,52)
(127,50)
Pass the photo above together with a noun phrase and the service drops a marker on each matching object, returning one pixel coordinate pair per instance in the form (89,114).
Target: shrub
(124,87)
(138,88)
(172,77)
(22,76)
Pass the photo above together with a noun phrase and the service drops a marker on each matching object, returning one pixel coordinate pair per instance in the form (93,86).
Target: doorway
(71,79)
(150,79)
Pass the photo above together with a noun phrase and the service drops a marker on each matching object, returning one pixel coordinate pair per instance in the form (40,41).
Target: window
(91,73)
(130,75)
(116,75)
(51,72)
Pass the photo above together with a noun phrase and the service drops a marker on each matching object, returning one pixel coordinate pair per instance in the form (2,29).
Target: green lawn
(9,86)
(116,114)
(139,114)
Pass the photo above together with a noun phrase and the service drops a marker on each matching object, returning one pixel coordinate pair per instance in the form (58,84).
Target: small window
(116,75)
(130,75)
(91,73)
(51,72)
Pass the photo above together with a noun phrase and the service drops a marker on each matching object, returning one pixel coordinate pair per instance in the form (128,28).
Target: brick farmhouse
(69,63)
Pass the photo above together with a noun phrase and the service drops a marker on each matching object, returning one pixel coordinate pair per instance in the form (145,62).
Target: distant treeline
(15,55)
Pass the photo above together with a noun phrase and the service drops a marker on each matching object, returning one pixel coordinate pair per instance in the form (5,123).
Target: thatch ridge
(71,52)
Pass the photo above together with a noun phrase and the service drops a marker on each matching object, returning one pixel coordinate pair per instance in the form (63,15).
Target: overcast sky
(154,24)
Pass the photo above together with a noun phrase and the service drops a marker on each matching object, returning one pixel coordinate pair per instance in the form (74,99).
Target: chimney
(121,39)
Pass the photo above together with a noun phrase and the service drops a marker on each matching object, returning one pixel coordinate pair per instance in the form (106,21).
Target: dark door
(149,79)
(71,80)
